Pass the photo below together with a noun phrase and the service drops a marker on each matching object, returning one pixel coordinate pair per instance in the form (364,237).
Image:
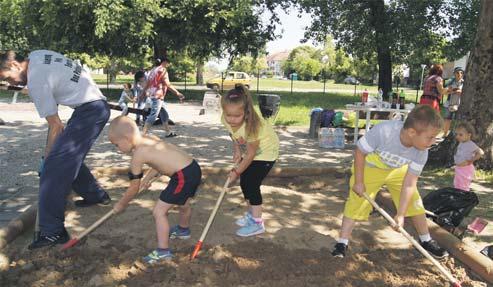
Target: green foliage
(342,66)
(366,69)
(306,67)
(462,19)
(396,32)
(249,65)
(11,22)
(243,64)
(304,60)
(125,30)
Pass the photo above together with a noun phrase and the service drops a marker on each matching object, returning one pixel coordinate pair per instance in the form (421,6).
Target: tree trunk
(379,22)
(384,71)
(112,71)
(477,101)
(200,73)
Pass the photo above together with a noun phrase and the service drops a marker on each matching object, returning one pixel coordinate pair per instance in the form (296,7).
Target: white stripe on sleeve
(364,146)
(416,167)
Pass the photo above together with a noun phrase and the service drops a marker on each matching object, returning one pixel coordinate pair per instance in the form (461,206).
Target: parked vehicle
(351,81)
(231,79)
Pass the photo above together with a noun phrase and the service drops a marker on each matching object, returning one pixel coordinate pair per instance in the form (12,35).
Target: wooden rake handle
(418,246)
(96,224)
(214,211)
(198,246)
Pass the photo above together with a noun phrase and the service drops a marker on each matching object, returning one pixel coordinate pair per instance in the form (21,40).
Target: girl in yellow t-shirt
(256,148)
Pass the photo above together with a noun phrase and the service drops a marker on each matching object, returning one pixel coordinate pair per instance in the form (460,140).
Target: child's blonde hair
(467,127)
(423,117)
(127,85)
(240,95)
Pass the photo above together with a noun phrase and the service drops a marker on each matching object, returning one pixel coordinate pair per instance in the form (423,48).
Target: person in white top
(52,80)
(125,98)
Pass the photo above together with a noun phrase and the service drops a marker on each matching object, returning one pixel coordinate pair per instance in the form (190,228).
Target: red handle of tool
(198,246)
(96,224)
(211,219)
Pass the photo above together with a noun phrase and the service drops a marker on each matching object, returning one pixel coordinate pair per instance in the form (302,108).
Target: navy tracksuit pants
(64,168)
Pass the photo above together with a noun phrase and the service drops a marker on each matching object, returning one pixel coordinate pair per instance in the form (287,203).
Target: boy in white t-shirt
(392,154)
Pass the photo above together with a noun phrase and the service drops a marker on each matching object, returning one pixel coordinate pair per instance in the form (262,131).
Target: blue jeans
(64,168)
(140,105)
(157,106)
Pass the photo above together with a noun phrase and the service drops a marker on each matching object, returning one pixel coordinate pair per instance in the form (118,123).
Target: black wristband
(132,176)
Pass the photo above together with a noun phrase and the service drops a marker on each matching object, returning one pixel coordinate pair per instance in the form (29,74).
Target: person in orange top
(433,89)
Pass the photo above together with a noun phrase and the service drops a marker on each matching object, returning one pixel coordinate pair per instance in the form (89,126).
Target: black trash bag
(269,105)
(451,205)
(488,251)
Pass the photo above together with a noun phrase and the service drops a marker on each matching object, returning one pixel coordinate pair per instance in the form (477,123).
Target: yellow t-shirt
(268,148)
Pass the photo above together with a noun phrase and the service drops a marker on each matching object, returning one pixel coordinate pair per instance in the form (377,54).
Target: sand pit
(302,219)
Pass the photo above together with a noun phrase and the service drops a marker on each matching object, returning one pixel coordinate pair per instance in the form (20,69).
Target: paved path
(24,136)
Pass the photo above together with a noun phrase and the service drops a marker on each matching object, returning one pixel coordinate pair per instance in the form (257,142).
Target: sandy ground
(24,136)
(301,223)
(302,219)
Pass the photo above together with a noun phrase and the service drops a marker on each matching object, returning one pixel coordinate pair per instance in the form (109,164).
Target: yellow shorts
(358,208)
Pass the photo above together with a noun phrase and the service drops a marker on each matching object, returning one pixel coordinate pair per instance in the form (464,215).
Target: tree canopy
(396,31)
(131,28)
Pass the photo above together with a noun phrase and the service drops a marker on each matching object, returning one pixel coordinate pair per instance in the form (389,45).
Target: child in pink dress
(465,156)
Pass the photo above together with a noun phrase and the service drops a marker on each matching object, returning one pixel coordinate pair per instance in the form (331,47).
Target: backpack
(337,121)
(451,205)
(326,118)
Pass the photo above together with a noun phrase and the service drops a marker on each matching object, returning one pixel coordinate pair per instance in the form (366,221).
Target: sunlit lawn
(269,84)
(295,107)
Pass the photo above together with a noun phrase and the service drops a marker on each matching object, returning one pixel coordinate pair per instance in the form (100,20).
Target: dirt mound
(294,252)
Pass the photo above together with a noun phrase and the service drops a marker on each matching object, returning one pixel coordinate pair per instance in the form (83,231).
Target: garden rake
(209,222)
(96,224)
(445,272)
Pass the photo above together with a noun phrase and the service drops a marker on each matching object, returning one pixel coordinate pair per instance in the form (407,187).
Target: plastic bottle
(402,99)
(380,98)
(364,96)
(380,95)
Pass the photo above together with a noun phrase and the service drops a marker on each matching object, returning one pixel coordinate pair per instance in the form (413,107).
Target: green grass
(295,107)
(120,79)
(445,176)
(272,84)
(286,84)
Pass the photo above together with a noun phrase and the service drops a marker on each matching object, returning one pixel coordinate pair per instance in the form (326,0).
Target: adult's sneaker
(339,250)
(179,232)
(50,240)
(244,220)
(105,200)
(432,247)
(251,229)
